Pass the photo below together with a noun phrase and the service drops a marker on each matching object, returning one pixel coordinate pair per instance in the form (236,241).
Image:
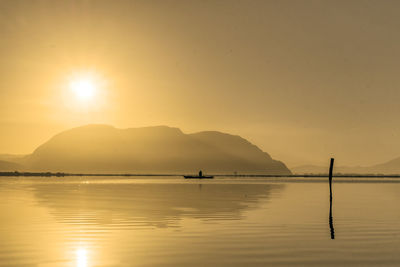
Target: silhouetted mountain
(160,149)
(390,167)
(15,158)
(315,169)
(305,169)
(10,166)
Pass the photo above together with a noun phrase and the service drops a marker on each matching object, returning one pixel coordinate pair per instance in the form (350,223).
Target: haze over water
(168,221)
(216,87)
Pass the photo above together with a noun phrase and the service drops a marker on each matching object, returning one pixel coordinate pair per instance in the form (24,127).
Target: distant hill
(10,166)
(390,167)
(12,157)
(315,169)
(305,169)
(160,149)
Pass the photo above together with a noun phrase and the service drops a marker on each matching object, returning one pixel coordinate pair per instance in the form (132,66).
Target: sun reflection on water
(81,258)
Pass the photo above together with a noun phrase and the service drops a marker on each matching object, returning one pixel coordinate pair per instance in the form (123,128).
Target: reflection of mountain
(101,148)
(158,204)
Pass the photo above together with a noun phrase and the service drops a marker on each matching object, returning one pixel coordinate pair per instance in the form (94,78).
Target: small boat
(198,177)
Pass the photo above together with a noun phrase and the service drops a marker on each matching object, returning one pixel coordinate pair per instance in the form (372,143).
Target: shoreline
(62,174)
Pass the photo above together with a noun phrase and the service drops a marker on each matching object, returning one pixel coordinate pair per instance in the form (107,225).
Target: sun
(85,91)
(84,88)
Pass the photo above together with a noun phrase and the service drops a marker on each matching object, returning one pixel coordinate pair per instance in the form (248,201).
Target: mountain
(307,169)
(315,169)
(10,166)
(11,157)
(390,167)
(159,149)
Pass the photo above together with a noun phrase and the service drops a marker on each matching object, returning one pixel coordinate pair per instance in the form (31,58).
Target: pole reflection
(331,221)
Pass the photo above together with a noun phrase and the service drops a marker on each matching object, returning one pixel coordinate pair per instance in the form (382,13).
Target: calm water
(176,222)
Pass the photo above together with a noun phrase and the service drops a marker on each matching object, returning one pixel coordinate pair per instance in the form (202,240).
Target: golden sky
(303,80)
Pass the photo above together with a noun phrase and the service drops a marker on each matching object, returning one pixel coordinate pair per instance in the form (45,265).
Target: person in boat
(200,173)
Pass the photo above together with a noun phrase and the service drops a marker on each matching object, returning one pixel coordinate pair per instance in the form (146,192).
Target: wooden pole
(330,200)
(330,177)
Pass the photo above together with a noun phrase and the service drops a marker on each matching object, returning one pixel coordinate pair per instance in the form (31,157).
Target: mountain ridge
(387,168)
(10,166)
(153,149)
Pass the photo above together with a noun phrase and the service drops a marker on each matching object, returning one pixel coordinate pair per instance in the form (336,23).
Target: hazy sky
(303,80)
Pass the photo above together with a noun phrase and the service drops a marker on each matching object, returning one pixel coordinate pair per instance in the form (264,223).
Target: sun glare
(81,257)
(83,88)
(84,91)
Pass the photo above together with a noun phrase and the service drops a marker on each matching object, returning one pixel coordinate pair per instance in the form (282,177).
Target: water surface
(167,221)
